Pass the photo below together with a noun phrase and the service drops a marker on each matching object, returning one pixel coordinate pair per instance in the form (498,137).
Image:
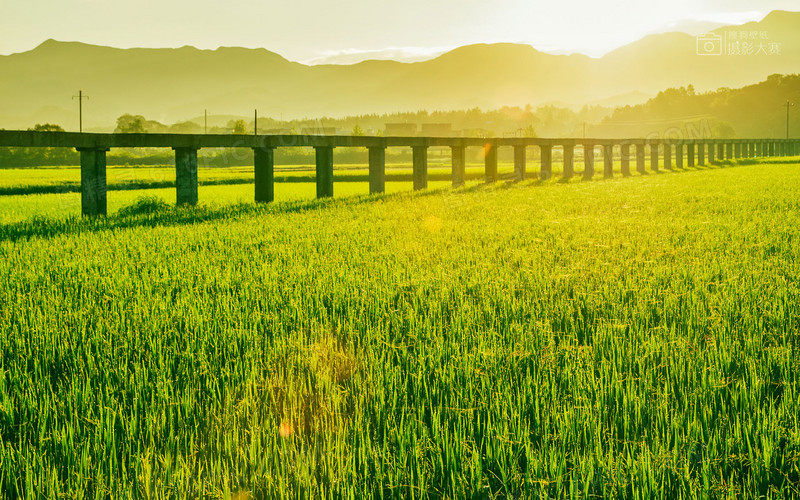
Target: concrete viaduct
(662,153)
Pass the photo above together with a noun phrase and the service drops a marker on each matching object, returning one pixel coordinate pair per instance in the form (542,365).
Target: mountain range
(176,84)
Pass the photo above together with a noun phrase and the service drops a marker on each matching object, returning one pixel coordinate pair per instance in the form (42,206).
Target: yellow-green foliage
(633,337)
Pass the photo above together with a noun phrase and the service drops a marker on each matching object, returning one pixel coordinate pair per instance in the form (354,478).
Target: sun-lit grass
(633,338)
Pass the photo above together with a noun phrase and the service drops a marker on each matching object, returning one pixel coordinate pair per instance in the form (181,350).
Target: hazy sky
(348,30)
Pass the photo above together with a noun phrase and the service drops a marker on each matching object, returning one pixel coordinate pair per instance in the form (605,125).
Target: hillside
(751,111)
(174,84)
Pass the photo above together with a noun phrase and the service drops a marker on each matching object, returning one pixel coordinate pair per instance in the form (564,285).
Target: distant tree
(130,124)
(239,127)
(47,127)
(357,130)
(185,128)
(529,131)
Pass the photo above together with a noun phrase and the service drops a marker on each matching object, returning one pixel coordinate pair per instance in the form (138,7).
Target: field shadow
(163,215)
(145,213)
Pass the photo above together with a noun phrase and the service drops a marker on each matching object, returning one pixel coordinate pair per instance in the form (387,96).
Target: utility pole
(788,105)
(80,97)
(205,122)
(255,123)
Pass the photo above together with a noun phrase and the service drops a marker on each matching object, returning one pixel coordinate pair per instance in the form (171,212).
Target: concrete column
(712,151)
(377,169)
(569,160)
(625,159)
(721,151)
(608,161)
(737,150)
(690,154)
(490,161)
(546,170)
(770,148)
(654,156)
(520,162)
(729,151)
(679,155)
(667,156)
(420,167)
(264,162)
(588,161)
(458,155)
(640,167)
(94,190)
(701,153)
(324,171)
(186,176)
(780,150)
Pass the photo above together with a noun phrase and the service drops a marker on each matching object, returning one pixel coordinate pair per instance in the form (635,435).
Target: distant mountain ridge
(173,84)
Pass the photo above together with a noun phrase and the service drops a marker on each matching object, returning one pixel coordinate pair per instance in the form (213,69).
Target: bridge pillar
(781,149)
(458,156)
(654,156)
(625,159)
(324,176)
(546,170)
(679,155)
(94,190)
(420,155)
(701,153)
(264,162)
(640,167)
(729,151)
(490,162)
(720,151)
(759,149)
(770,148)
(520,162)
(667,156)
(377,169)
(569,160)
(690,154)
(186,176)
(738,150)
(588,161)
(608,160)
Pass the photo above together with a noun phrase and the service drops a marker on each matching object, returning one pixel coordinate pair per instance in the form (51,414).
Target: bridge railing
(666,153)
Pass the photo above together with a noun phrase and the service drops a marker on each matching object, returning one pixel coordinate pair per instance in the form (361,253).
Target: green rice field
(624,338)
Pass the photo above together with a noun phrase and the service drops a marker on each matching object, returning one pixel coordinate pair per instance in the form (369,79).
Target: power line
(80,97)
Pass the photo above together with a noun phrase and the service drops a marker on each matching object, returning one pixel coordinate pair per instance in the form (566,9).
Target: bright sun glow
(318,31)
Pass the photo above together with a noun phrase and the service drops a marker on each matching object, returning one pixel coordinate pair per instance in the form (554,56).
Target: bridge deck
(25,138)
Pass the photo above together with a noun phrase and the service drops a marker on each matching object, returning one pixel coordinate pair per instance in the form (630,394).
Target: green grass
(629,338)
